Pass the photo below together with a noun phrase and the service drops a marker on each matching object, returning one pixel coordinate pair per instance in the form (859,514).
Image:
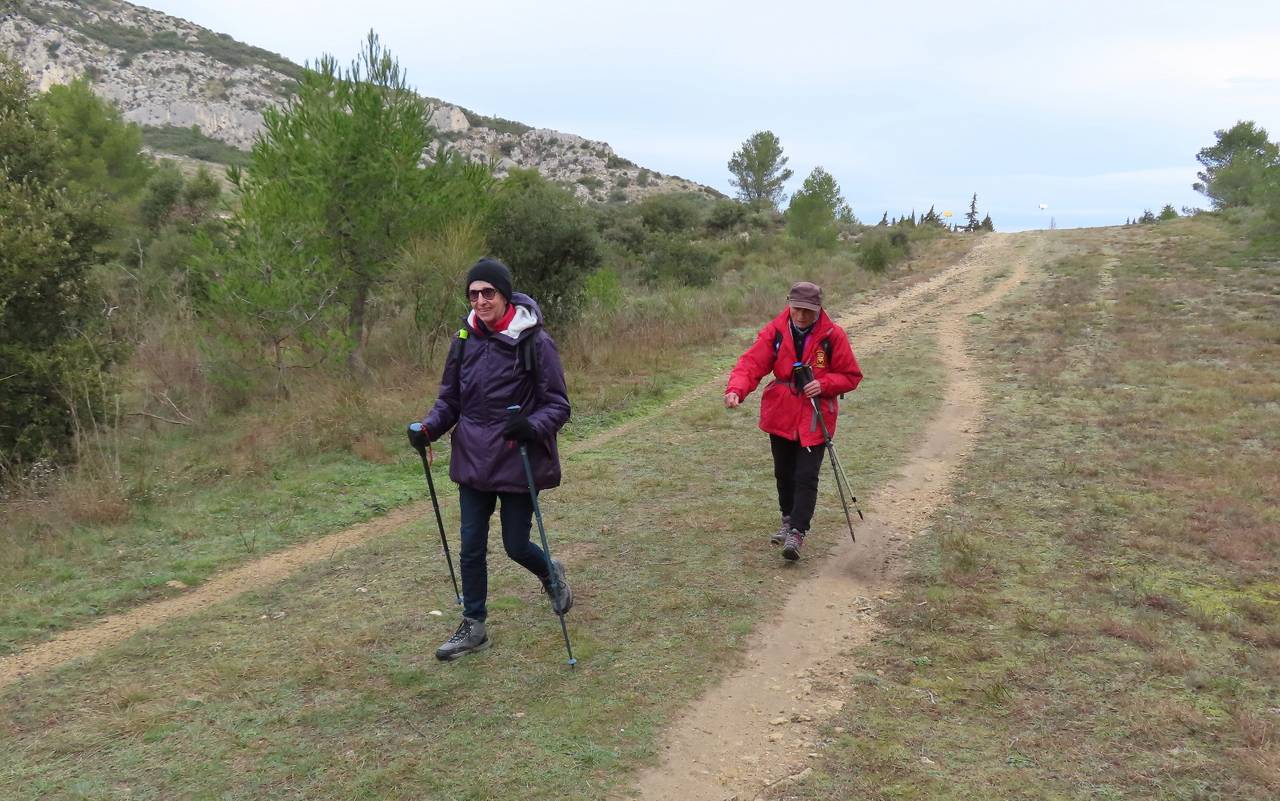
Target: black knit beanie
(493,271)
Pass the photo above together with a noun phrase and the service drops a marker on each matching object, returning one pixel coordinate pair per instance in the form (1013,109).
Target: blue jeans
(517,520)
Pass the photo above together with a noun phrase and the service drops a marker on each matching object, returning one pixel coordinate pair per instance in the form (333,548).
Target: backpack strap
(526,355)
(456,347)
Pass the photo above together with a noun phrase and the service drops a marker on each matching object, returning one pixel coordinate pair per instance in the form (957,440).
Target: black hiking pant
(476,507)
(796,469)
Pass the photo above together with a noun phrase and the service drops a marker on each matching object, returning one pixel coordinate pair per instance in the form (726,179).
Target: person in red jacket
(801,334)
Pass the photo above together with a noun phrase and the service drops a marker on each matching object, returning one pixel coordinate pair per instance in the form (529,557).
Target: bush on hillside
(547,238)
(194,143)
(621,226)
(726,215)
(673,259)
(672,212)
(880,250)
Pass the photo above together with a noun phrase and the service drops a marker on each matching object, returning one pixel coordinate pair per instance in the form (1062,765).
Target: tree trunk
(282,383)
(355,329)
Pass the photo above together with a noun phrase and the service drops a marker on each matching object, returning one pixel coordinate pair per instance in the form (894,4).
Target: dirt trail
(872,324)
(753,733)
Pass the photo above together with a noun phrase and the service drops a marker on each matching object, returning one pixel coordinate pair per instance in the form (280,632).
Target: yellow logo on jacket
(820,359)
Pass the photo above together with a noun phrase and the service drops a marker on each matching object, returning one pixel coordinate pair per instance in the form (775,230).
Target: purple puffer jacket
(475,396)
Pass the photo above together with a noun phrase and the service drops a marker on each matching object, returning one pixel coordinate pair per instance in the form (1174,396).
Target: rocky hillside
(200,94)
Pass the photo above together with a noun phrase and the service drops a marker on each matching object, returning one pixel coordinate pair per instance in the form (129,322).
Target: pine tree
(971,219)
(884,220)
(986,224)
(759,169)
(816,208)
(333,191)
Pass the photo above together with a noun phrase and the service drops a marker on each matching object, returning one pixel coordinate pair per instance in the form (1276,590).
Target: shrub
(879,251)
(161,196)
(674,259)
(761,217)
(194,143)
(547,238)
(672,212)
(811,222)
(498,124)
(621,226)
(726,215)
(603,290)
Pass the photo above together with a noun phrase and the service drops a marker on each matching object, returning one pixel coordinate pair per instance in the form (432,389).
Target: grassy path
(756,727)
(1096,615)
(322,684)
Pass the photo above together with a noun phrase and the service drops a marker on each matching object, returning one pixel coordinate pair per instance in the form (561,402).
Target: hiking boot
(470,636)
(557,586)
(780,536)
(795,539)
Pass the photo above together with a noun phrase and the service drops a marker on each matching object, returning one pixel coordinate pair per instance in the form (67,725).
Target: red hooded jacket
(783,410)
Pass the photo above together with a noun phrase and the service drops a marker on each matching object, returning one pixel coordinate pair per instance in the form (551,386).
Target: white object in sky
(1044,206)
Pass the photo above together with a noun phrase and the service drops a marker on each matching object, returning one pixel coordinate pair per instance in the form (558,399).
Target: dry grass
(98,501)
(370,448)
(1137,633)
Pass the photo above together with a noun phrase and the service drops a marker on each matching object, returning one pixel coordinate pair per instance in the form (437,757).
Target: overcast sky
(1096,109)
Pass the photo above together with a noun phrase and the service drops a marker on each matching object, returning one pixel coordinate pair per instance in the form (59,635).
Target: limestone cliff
(195,91)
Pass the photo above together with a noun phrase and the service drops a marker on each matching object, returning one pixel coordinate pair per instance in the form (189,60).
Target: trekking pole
(415,428)
(542,531)
(802,375)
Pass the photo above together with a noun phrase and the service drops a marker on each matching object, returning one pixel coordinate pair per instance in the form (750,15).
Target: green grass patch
(326,684)
(194,143)
(1097,615)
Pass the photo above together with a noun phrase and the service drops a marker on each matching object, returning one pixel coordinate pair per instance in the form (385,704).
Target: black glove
(519,429)
(418,437)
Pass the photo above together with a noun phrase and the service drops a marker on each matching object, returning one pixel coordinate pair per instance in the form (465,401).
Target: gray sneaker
(470,636)
(780,536)
(795,540)
(557,586)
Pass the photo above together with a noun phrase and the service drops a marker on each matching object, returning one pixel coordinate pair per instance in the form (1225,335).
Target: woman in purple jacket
(501,358)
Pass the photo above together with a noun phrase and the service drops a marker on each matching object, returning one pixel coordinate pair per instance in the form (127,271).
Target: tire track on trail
(754,732)
(870,324)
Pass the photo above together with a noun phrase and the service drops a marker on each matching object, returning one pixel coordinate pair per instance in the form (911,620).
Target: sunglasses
(487,293)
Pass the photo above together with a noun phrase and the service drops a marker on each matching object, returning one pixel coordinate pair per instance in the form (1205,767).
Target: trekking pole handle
(801,376)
